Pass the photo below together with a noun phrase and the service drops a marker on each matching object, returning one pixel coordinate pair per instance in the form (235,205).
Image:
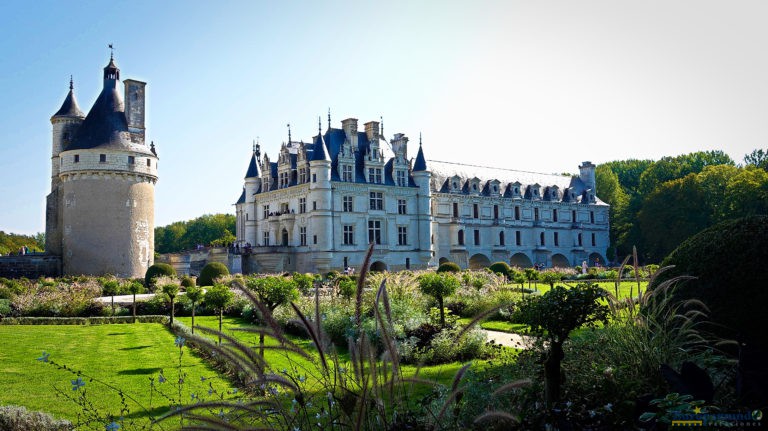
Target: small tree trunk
(221,317)
(261,350)
(113,304)
(442,313)
(552,373)
(172,309)
(134,308)
(193,318)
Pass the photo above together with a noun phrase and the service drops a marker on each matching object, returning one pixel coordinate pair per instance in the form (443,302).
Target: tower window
(593,240)
(495,211)
(475,211)
(102,158)
(149,162)
(592,217)
(77,158)
(455,209)
(347,205)
(131,160)
(303,235)
(554,215)
(535,214)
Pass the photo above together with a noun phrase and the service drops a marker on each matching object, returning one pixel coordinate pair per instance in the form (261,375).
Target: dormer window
(455,185)
(474,187)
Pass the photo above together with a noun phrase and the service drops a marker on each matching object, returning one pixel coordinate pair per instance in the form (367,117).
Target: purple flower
(77,384)
(112,426)
(161,378)
(179,341)
(44,357)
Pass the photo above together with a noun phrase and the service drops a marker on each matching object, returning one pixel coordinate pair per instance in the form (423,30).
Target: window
(102,158)
(573,216)
(314,239)
(592,217)
(374,231)
(501,238)
(77,158)
(346,262)
(475,211)
(374,175)
(401,181)
(302,205)
(302,175)
(556,239)
(349,234)
(517,213)
(407,263)
(314,178)
(535,214)
(131,160)
(346,202)
(402,235)
(314,205)
(376,201)
(461,237)
(266,238)
(401,206)
(149,162)
(496,211)
(455,209)
(284,208)
(265,211)
(346,173)
(303,235)
(579,240)
(593,240)
(518,239)
(554,215)
(477,237)
(541,239)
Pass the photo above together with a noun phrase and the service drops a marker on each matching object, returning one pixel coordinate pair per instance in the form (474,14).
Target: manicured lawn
(125,356)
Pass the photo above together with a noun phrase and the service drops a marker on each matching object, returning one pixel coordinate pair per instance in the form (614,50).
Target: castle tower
(252,186)
(105,186)
(422,177)
(321,193)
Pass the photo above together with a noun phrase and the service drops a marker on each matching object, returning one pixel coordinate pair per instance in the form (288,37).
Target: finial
(152,147)
(254,145)
(289,133)
(111,52)
(381,128)
(419,138)
(257,149)
(329,117)
(319,126)
(71,83)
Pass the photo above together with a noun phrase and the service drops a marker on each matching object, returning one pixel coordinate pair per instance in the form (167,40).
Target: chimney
(350,130)
(372,130)
(134,108)
(587,175)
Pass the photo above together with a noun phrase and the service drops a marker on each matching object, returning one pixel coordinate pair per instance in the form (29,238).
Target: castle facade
(100,212)
(321,203)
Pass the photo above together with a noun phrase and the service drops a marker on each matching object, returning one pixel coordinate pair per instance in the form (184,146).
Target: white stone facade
(319,206)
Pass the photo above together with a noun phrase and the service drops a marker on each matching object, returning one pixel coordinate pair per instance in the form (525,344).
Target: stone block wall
(30,266)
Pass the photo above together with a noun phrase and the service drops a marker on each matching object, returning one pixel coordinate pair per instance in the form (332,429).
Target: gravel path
(508,339)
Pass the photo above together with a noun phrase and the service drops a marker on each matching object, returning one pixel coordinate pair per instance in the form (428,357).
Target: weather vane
(111,51)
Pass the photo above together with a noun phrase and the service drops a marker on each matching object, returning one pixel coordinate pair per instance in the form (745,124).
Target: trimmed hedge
(155,271)
(501,268)
(82,320)
(211,272)
(449,267)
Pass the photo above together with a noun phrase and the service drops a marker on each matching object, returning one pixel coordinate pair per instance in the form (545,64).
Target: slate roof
(421,163)
(69,108)
(253,168)
(241,199)
(443,171)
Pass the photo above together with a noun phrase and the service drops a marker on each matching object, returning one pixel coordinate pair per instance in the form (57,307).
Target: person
(584,267)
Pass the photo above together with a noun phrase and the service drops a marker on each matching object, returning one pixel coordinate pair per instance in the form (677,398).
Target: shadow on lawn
(135,348)
(139,371)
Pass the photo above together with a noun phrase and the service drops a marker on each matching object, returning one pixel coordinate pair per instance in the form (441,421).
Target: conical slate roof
(321,152)
(253,168)
(421,163)
(70,108)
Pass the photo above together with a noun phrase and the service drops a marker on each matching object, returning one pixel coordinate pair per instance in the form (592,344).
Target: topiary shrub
(188,281)
(449,267)
(728,261)
(155,271)
(211,272)
(501,268)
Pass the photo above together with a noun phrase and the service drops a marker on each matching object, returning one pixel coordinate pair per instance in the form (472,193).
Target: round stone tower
(106,186)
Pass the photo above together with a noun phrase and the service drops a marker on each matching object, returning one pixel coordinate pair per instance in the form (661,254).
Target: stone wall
(30,266)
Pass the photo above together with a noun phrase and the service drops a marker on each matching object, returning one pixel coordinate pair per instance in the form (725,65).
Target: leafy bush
(65,300)
(210,272)
(347,287)
(188,281)
(16,418)
(449,267)
(155,271)
(501,268)
(438,286)
(5,307)
(304,282)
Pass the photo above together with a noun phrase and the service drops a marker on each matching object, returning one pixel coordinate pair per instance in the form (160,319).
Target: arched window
(461,237)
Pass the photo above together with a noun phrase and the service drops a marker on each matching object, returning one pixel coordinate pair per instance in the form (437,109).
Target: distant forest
(657,205)
(210,229)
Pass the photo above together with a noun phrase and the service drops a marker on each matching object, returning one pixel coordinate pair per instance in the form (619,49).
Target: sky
(537,86)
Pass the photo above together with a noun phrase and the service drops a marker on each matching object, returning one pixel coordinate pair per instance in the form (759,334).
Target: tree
(554,315)
(195,295)
(219,297)
(550,276)
(531,275)
(185,235)
(111,288)
(272,291)
(747,192)
(439,286)
(757,158)
(171,289)
(135,287)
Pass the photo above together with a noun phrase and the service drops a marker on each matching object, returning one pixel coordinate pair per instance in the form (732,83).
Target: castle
(319,206)
(100,212)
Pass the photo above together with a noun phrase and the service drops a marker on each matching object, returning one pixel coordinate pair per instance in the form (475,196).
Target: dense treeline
(216,229)
(12,243)
(657,205)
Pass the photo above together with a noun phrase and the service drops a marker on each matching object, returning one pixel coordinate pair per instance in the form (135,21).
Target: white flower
(609,407)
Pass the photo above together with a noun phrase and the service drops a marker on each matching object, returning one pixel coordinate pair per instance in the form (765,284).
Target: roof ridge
(493,167)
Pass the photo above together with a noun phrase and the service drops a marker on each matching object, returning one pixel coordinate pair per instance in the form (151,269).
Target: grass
(124,356)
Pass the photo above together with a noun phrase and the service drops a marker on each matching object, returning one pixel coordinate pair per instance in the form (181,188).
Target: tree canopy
(185,235)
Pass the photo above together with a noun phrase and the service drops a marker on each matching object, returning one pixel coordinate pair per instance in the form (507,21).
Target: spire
(111,71)
(289,133)
(320,151)
(381,129)
(253,166)
(70,108)
(421,163)
(329,118)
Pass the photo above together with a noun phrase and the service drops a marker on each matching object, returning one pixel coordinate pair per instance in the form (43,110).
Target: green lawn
(125,356)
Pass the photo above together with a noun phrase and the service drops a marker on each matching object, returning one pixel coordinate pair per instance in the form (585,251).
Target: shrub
(501,268)
(5,307)
(347,287)
(188,281)
(449,267)
(16,418)
(304,282)
(331,275)
(438,286)
(210,272)
(155,271)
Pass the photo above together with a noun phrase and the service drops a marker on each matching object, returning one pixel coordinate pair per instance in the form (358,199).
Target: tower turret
(252,186)
(422,178)
(320,193)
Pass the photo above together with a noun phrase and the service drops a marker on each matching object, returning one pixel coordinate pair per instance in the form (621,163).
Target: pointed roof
(253,168)
(320,152)
(421,163)
(70,108)
(241,199)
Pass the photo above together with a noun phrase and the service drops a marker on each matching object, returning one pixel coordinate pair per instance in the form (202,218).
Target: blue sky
(530,85)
